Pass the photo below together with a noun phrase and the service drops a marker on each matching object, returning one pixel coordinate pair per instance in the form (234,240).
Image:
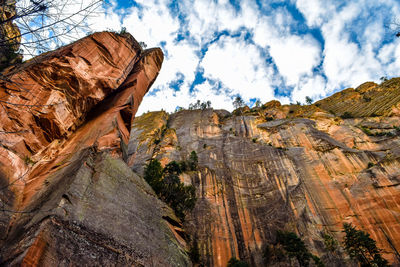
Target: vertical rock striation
(280,167)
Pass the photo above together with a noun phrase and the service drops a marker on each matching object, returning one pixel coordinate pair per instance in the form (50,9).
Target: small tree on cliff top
(238,102)
(361,247)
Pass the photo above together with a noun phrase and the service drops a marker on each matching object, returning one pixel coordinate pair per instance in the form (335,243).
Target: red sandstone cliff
(286,167)
(69,143)
(67,196)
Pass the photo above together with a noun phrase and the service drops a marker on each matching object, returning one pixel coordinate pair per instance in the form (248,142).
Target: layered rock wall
(295,168)
(71,151)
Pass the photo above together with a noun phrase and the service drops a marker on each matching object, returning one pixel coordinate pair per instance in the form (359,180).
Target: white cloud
(315,11)
(207,91)
(181,59)
(309,86)
(239,66)
(152,24)
(256,51)
(295,56)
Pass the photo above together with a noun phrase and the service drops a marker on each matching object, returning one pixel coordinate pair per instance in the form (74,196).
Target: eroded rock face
(67,196)
(95,211)
(369,99)
(297,168)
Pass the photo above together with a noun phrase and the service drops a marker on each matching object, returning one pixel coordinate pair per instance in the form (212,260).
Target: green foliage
(258,103)
(200,105)
(238,102)
(308,100)
(273,254)
(153,173)
(233,262)
(193,161)
(143,44)
(178,108)
(167,185)
(183,165)
(368,132)
(330,242)
(28,160)
(317,261)
(294,247)
(122,31)
(367,99)
(346,115)
(361,247)
(289,245)
(269,118)
(181,198)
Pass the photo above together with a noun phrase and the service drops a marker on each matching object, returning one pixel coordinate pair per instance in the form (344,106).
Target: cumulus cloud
(295,56)
(239,66)
(217,49)
(245,50)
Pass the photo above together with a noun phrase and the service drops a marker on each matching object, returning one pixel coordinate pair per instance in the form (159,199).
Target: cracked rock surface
(290,167)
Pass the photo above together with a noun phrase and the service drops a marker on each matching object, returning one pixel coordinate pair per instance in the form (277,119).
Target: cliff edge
(67,197)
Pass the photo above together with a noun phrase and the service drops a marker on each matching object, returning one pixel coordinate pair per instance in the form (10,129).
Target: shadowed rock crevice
(77,202)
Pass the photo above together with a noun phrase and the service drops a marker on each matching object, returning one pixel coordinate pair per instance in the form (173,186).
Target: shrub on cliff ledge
(167,185)
(295,248)
(153,175)
(361,247)
(193,161)
(347,115)
(233,262)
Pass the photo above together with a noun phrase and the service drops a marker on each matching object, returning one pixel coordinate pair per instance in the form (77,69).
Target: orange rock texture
(67,197)
(71,152)
(285,167)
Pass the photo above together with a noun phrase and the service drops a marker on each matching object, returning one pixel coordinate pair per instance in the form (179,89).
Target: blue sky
(284,50)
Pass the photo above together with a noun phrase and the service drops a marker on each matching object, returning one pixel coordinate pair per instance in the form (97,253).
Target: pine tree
(193,161)
(360,246)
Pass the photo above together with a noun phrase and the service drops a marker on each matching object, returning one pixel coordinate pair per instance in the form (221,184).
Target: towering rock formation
(71,157)
(281,167)
(67,197)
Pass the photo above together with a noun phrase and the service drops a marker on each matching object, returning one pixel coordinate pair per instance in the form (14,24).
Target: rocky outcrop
(95,211)
(281,167)
(367,100)
(67,196)
(10,36)
(71,157)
